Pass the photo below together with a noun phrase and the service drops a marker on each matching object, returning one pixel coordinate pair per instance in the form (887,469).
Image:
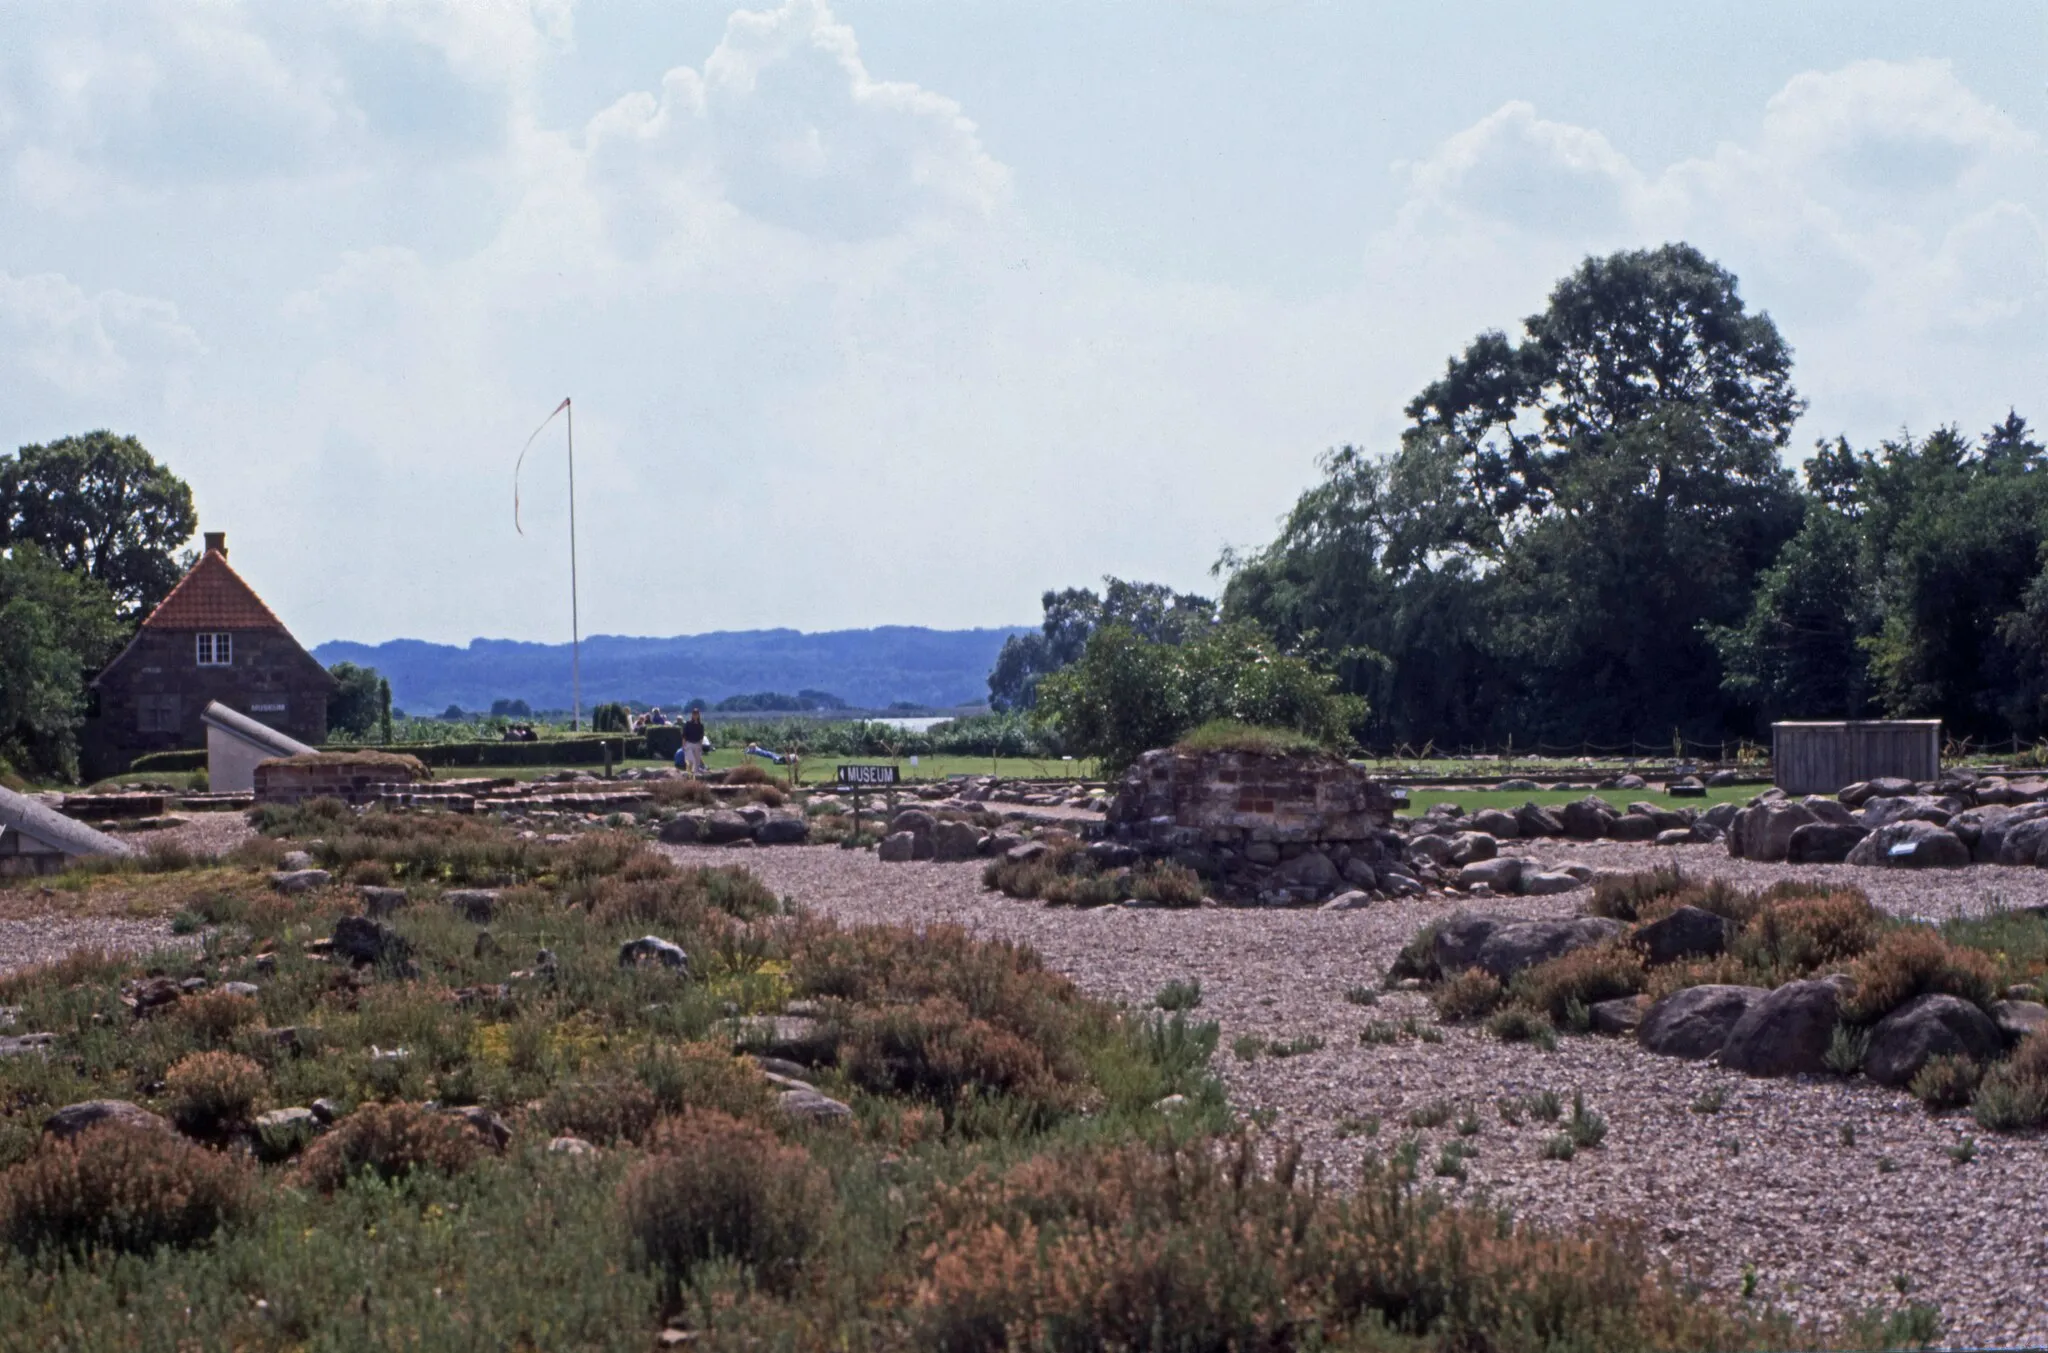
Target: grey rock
(681,830)
(1311,869)
(283,1121)
(753,814)
(1933,1025)
(1722,779)
(1587,819)
(1909,808)
(476,905)
(914,820)
(1695,1022)
(1262,852)
(300,880)
(1620,1017)
(1676,836)
(1828,809)
(381,902)
(360,939)
(1501,874)
(783,829)
(1665,818)
(1970,825)
(574,1148)
(1825,842)
(20,1045)
(1459,938)
(1911,844)
(1888,787)
(2015,840)
(1499,824)
(326,1111)
(2017,1019)
(1437,849)
(295,860)
(956,841)
(807,1105)
(1351,901)
(1630,782)
(241,988)
(723,827)
(1516,786)
(898,848)
(1359,873)
(1523,944)
(1764,832)
(73,1119)
(1534,819)
(485,1124)
(1472,847)
(1109,854)
(1396,883)
(1547,884)
(1720,817)
(1786,1032)
(1688,932)
(1023,853)
(653,949)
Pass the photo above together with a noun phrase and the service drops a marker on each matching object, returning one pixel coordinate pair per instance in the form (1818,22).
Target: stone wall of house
(271,679)
(1275,829)
(352,777)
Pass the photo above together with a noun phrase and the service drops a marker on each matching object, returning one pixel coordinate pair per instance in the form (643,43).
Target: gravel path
(47,939)
(1764,1185)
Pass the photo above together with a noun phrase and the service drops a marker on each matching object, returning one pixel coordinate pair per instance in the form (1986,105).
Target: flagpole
(575,620)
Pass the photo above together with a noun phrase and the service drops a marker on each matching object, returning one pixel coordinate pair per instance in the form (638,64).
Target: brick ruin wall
(341,777)
(1276,829)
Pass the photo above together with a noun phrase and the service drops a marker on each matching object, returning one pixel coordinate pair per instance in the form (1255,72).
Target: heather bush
(703,1076)
(748,775)
(390,1141)
(1167,884)
(1799,934)
(603,1111)
(212,1017)
(1626,897)
(121,1188)
(716,1188)
(1913,961)
(1946,1082)
(1472,994)
(937,1051)
(1598,973)
(210,1093)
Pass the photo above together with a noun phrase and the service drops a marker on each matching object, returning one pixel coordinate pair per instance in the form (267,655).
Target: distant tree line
(1588,533)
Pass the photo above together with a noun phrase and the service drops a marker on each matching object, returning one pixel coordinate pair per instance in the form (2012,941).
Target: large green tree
(100,505)
(56,628)
(1153,611)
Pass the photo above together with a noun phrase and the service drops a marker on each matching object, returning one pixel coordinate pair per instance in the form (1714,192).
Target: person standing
(693,742)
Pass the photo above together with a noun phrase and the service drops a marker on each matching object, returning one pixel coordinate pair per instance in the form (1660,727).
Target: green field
(1472,800)
(823,770)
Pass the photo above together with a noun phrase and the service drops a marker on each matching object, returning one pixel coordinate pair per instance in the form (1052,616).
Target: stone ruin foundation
(1262,829)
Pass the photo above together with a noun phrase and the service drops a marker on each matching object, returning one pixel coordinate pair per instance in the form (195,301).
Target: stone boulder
(1430,846)
(1665,818)
(1351,901)
(1695,1023)
(1909,808)
(1720,817)
(901,848)
(1912,844)
(723,827)
(1548,883)
(1824,842)
(782,829)
(1586,819)
(1500,874)
(1888,787)
(1497,823)
(1472,847)
(1632,827)
(1311,869)
(476,905)
(956,841)
(1764,832)
(1933,1025)
(364,941)
(1786,1032)
(1458,940)
(1970,825)
(1619,1017)
(1533,819)
(2016,840)
(1829,809)
(300,880)
(1524,944)
(73,1119)
(653,949)
(1689,932)
(380,902)
(2018,1019)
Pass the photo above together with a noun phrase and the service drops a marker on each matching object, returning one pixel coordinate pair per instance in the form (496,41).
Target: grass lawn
(1472,800)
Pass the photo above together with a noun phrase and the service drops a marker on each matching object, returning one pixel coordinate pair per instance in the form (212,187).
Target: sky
(896,312)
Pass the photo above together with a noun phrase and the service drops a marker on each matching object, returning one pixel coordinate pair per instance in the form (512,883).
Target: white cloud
(1513,166)
(51,330)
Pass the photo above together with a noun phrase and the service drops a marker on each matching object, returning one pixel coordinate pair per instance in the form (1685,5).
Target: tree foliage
(1128,693)
(56,628)
(358,704)
(1152,611)
(100,505)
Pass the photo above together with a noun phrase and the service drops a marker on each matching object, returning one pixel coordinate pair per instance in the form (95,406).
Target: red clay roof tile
(212,597)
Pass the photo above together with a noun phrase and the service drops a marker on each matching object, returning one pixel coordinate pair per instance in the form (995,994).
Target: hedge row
(556,752)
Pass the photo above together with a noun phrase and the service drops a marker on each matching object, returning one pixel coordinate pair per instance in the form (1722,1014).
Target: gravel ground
(46,939)
(203,834)
(1765,1185)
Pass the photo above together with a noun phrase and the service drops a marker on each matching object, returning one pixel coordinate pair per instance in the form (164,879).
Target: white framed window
(216,650)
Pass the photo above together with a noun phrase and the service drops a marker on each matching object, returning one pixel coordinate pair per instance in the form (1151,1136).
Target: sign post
(853,779)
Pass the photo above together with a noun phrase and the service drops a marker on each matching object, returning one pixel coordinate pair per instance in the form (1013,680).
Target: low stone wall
(1273,828)
(353,777)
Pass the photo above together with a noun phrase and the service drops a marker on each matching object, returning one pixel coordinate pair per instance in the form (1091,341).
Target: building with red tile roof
(211,639)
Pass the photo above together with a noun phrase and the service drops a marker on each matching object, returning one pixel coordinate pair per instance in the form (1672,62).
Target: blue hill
(870,668)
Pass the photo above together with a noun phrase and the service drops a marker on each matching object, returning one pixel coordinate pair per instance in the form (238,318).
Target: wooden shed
(1824,758)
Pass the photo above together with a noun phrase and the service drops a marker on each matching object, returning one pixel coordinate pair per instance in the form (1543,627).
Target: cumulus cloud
(1513,166)
(52,331)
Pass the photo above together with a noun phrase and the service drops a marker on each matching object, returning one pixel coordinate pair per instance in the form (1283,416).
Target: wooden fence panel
(1822,758)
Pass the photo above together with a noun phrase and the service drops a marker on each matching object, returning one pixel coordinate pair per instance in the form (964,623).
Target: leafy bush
(748,775)
(213,1016)
(1913,961)
(1227,735)
(1517,1025)
(211,1092)
(611,717)
(603,1111)
(703,1076)
(1946,1082)
(1472,994)
(1627,897)
(390,1141)
(1178,995)
(2013,1095)
(1167,884)
(1800,934)
(1598,973)
(936,1050)
(121,1188)
(717,1188)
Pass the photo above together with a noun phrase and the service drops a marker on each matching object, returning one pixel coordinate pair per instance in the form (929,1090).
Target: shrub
(213,1016)
(695,793)
(1514,1024)
(703,1076)
(1417,958)
(1846,1047)
(1625,897)
(936,1050)
(748,775)
(1796,935)
(2009,1103)
(120,1188)
(1472,994)
(212,1092)
(1946,1082)
(1913,961)
(1168,885)
(1598,973)
(1227,735)
(717,1188)
(390,1141)
(1179,995)
(603,1111)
